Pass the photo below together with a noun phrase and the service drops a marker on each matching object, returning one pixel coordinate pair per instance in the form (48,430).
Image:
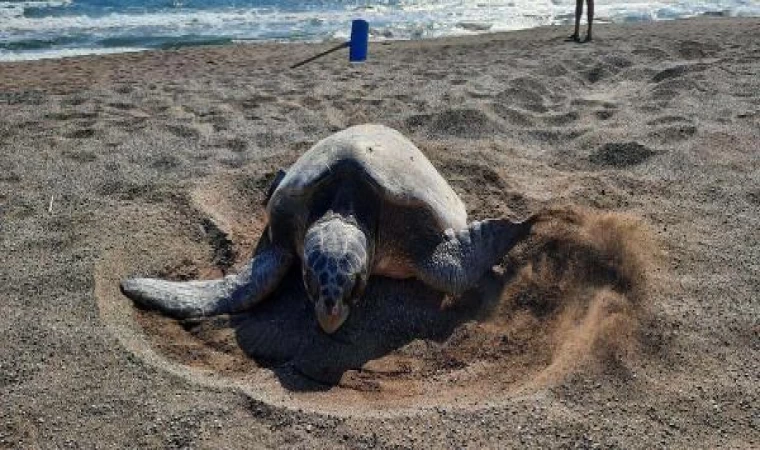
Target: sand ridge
(571,296)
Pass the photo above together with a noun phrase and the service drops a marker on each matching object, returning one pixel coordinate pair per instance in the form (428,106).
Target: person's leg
(578,13)
(590,11)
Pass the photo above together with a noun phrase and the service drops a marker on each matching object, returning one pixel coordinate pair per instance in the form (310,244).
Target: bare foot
(588,38)
(573,38)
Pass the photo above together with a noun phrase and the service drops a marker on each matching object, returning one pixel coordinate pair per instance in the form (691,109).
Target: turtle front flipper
(231,294)
(462,257)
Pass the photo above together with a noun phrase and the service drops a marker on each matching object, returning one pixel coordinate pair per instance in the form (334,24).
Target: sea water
(58,28)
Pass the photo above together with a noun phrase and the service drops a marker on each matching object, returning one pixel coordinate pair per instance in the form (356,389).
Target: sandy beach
(629,319)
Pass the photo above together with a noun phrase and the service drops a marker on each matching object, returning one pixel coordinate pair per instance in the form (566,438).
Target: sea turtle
(363,201)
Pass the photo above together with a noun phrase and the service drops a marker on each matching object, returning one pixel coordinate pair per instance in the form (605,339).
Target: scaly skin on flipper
(462,257)
(233,293)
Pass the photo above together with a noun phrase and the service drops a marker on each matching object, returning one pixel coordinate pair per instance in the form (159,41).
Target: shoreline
(82,29)
(14,75)
(226,42)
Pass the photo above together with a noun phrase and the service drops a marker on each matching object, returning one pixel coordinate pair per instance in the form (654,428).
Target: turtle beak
(330,320)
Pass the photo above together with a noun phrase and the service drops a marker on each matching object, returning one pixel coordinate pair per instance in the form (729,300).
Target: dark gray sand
(629,319)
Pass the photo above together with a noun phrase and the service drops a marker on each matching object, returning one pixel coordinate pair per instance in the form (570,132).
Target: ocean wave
(162,42)
(66,25)
(518,13)
(10,56)
(177,20)
(11,9)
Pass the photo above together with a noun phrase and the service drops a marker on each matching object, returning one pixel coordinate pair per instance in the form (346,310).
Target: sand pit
(569,298)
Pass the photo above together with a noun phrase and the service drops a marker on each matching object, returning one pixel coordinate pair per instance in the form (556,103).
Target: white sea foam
(10,10)
(400,19)
(63,53)
(447,13)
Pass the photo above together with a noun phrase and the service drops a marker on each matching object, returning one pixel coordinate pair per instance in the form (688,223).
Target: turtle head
(335,268)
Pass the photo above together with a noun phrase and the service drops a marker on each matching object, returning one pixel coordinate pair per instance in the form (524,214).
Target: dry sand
(629,319)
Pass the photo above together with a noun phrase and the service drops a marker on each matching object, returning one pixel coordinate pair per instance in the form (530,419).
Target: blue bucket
(359,41)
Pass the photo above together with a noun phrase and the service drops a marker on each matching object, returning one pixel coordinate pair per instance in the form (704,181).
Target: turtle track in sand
(571,299)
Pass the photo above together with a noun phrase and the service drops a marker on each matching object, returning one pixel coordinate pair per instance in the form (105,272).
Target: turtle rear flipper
(461,258)
(231,294)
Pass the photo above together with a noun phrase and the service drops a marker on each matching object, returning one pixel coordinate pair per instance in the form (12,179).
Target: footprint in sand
(674,133)
(556,136)
(193,131)
(669,89)
(82,133)
(311,103)
(71,115)
(678,71)
(671,129)
(465,123)
(124,89)
(80,156)
(597,73)
(251,105)
(477,92)
(603,110)
(218,122)
(667,120)
(696,50)
(216,117)
(237,145)
(561,119)
(526,92)
(654,53)
(74,100)
(123,106)
(604,114)
(165,163)
(123,189)
(526,99)
(513,116)
(619,61)
(585,103)
(83,120)
(620,155)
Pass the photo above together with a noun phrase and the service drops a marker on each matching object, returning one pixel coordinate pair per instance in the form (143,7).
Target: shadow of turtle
(282,333)
(572,292)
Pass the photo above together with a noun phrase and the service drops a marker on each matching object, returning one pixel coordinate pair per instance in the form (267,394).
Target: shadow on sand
(572,296)
(282,333)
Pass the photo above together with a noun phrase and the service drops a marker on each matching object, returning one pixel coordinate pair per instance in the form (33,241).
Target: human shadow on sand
(282,333)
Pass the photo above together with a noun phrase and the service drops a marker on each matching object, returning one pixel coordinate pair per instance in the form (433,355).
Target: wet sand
(629,319)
